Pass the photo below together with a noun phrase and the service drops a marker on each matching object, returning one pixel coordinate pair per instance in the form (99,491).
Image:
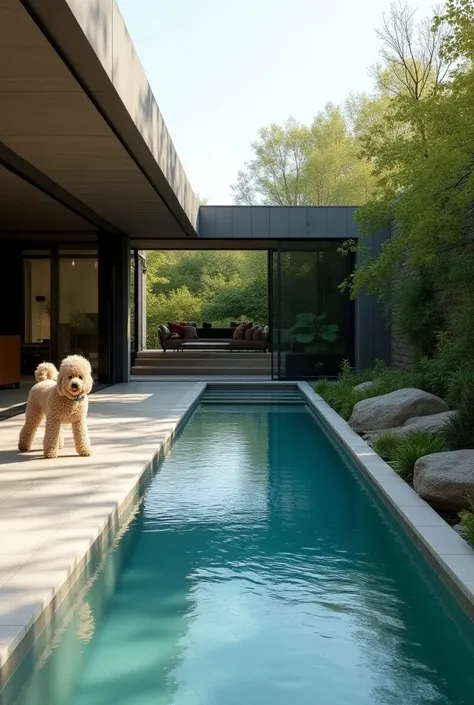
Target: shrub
(342,397)
(387,443)
(459,431)
(467,520)
(418,312)
(412,447)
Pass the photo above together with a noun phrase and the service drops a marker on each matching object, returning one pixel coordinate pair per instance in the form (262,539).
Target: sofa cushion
(190,333)
(258,333)
(239,332)
(177,328)
(249,333)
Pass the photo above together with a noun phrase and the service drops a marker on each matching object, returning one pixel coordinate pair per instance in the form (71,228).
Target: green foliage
(386,444)
(340,394)
(205,285)
(418,313)
(412,447)
(295,165)
(459,431)
(467,520)
(312,331)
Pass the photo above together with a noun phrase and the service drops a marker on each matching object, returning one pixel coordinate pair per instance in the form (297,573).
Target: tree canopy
(298,165)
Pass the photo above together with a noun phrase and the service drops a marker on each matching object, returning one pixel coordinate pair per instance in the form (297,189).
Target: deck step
(202,371)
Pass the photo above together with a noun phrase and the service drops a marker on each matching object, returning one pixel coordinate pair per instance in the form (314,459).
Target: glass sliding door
(78,315)
(313,320)
(37,324)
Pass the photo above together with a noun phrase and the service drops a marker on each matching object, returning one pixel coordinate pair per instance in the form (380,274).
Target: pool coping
(451,557)
(17,640)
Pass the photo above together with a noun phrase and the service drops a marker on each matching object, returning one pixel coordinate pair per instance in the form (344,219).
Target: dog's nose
(74,385)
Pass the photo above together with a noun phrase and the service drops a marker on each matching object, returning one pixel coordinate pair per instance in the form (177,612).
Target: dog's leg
(61,438)
(51,437)
(81,437)
(34,417)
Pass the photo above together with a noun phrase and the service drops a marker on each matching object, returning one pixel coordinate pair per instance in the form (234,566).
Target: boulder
(430,424)
(365,386)
(446,480)
(392,410)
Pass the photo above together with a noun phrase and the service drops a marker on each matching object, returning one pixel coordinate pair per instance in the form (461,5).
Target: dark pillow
(177,328)
(258,333)
(189,333)
(249,333)
(239,332)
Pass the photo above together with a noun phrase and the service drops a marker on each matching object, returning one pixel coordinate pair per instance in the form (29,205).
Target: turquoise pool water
(259,570)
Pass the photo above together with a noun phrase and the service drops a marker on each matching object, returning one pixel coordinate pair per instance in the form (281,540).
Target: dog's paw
(85,452)
(50,454)
(23,448)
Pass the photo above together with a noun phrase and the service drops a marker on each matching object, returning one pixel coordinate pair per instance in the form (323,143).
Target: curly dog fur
(62,398)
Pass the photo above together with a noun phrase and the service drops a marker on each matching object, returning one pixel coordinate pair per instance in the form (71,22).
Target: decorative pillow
(239,332)
(189,333)
(177,328)
(258,333)
(248,325)
(266,331)
(249,333)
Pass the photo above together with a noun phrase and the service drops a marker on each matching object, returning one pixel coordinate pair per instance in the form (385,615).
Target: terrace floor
(52,511)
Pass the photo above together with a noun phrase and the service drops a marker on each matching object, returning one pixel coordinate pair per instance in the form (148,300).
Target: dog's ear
(60,383)
(89,383)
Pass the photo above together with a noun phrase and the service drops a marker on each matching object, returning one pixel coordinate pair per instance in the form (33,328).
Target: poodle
(62,398)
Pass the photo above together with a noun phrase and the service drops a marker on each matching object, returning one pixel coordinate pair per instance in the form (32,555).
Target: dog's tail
(46,371)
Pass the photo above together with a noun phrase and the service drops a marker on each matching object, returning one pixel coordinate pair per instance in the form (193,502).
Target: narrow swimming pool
(260,569)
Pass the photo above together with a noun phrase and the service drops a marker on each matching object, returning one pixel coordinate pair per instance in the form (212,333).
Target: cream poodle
(62,398)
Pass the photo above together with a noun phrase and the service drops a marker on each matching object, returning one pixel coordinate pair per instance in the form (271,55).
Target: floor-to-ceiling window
(37,326)
(78,311)
(313,320)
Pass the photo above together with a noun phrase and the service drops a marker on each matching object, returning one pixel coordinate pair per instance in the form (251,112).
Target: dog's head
(75,377)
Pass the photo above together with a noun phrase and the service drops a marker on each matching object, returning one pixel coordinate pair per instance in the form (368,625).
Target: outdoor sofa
(186,337)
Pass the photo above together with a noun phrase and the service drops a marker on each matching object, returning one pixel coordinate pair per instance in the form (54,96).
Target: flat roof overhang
(79,122)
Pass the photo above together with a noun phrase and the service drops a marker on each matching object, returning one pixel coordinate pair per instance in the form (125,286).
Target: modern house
(89,178)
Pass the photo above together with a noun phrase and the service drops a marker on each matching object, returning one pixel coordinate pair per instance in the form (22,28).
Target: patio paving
(52,511)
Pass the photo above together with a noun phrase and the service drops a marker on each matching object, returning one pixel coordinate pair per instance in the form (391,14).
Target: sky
(221,69)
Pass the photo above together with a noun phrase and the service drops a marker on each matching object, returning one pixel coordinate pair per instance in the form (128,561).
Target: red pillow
(177,328)
(248,325)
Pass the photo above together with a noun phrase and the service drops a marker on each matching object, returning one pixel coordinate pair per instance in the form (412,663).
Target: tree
(335,173)
(412,147)
(295,165)
(275,175)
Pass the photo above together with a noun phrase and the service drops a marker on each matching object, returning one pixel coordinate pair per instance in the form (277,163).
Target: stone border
(16,642)
(449,555)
